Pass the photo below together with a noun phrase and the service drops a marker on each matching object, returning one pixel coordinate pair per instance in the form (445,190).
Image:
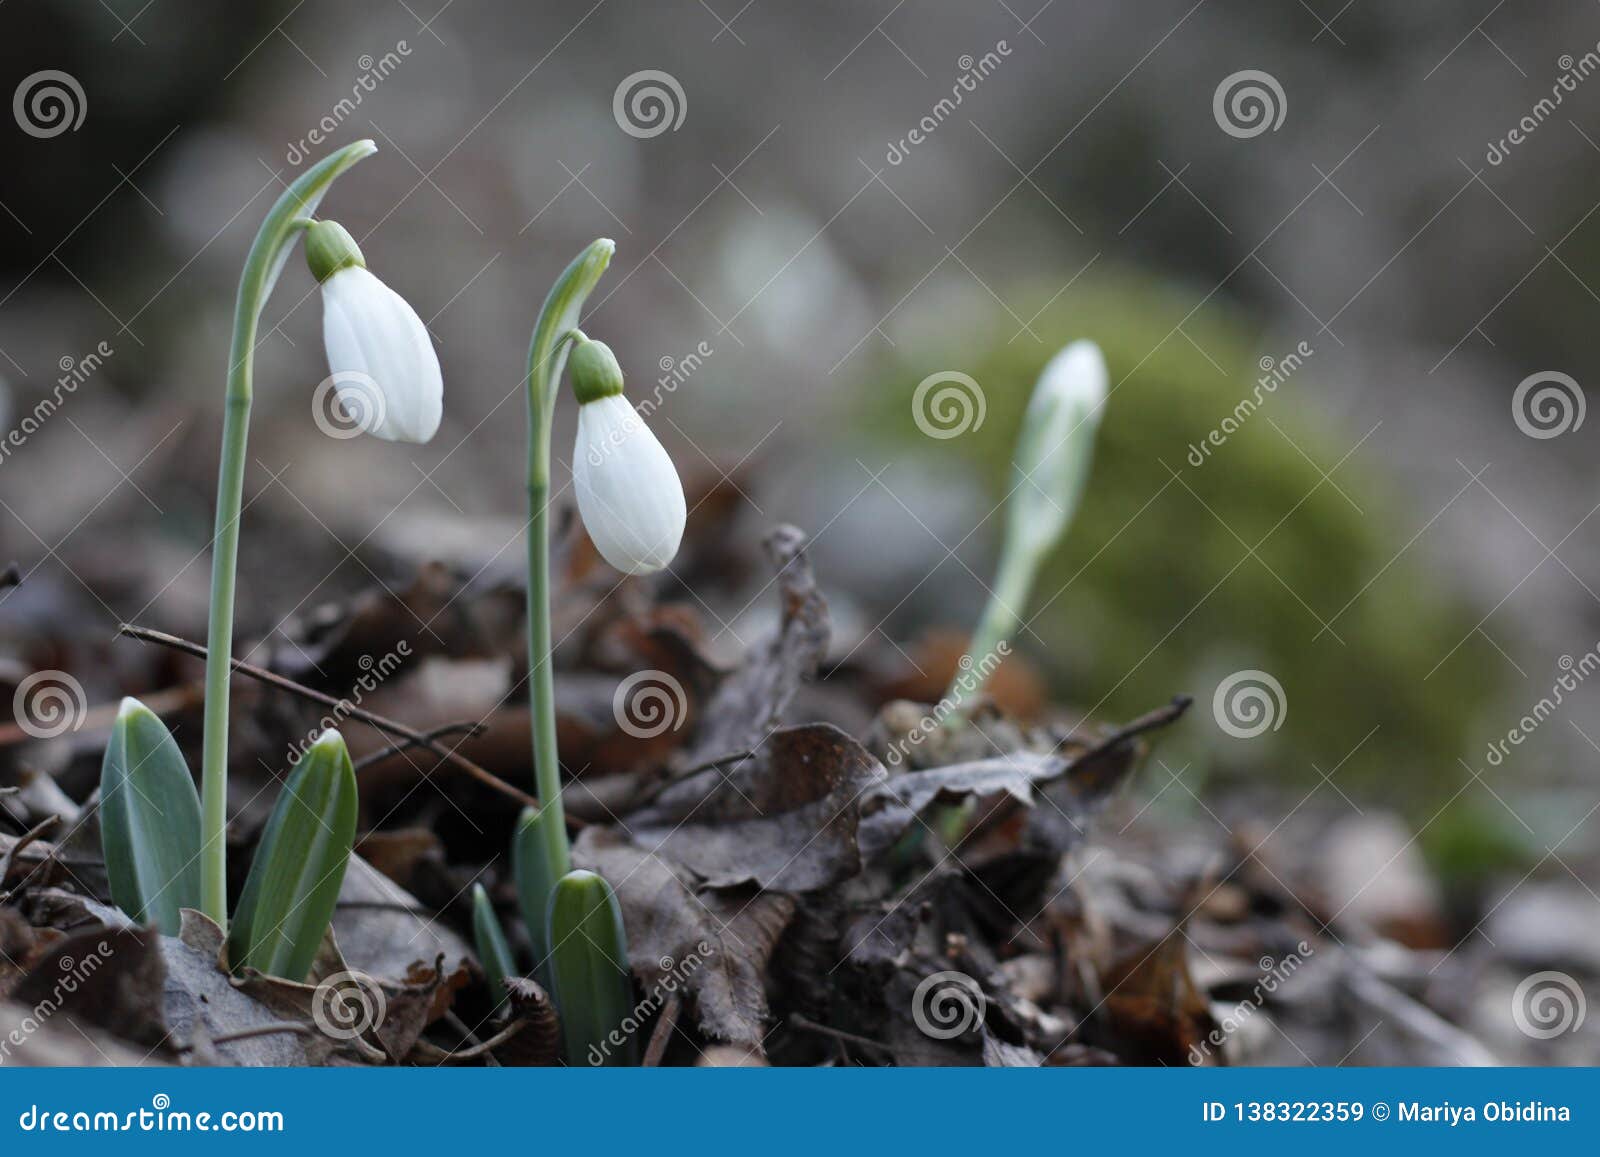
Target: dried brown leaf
(110,978)
(785,818)
(1155,1011)
(713,946)
(750,702)
(383,930)
(537,1040)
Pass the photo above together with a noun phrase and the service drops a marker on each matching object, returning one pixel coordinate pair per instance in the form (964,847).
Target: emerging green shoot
(149,820)
(593,988)
(289,896)
(1051,466)
(494,953)
(538,861)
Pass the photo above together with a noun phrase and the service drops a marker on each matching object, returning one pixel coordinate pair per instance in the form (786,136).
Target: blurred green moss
(1472,842)
(1174,575)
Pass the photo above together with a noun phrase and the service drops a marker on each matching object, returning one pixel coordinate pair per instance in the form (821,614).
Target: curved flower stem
(547,357)
(268,254)
(1001,617)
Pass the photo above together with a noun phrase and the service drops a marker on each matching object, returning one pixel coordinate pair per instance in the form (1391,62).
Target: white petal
(392,381)
(629,495)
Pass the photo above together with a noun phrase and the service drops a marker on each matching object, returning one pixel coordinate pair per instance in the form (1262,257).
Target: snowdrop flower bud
(1056,447)
(1051,468)
(628,491)
(383,363)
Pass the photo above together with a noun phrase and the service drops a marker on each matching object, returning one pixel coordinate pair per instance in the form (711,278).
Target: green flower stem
(288,216)
(1001,617)
(547,357)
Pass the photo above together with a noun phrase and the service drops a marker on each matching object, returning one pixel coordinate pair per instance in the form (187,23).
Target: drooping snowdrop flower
(628,491)
(283,226)
(384,367)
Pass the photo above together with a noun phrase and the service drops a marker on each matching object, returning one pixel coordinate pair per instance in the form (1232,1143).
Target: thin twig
(470,1037)
(805,1024)
(26,838)
(344,706)
(383,906)
(1149,721)
(678,775)
(435,1055)
(729,757)
(465,730)
(663,1031)
(272,1029)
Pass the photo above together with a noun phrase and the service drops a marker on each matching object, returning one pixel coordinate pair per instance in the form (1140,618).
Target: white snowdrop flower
(384,367)
(629,495)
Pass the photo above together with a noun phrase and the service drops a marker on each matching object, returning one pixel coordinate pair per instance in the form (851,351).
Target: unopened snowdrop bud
(384,368)
(1057,446)
(1051,466)
(628,490)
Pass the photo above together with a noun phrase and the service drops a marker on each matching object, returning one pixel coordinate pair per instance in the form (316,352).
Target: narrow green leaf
(289,896)
(592,986)
(493,951)
(149,820)
(538,861)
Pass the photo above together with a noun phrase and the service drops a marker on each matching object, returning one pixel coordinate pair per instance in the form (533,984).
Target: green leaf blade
(494,951)
(149,820)
(289,896)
